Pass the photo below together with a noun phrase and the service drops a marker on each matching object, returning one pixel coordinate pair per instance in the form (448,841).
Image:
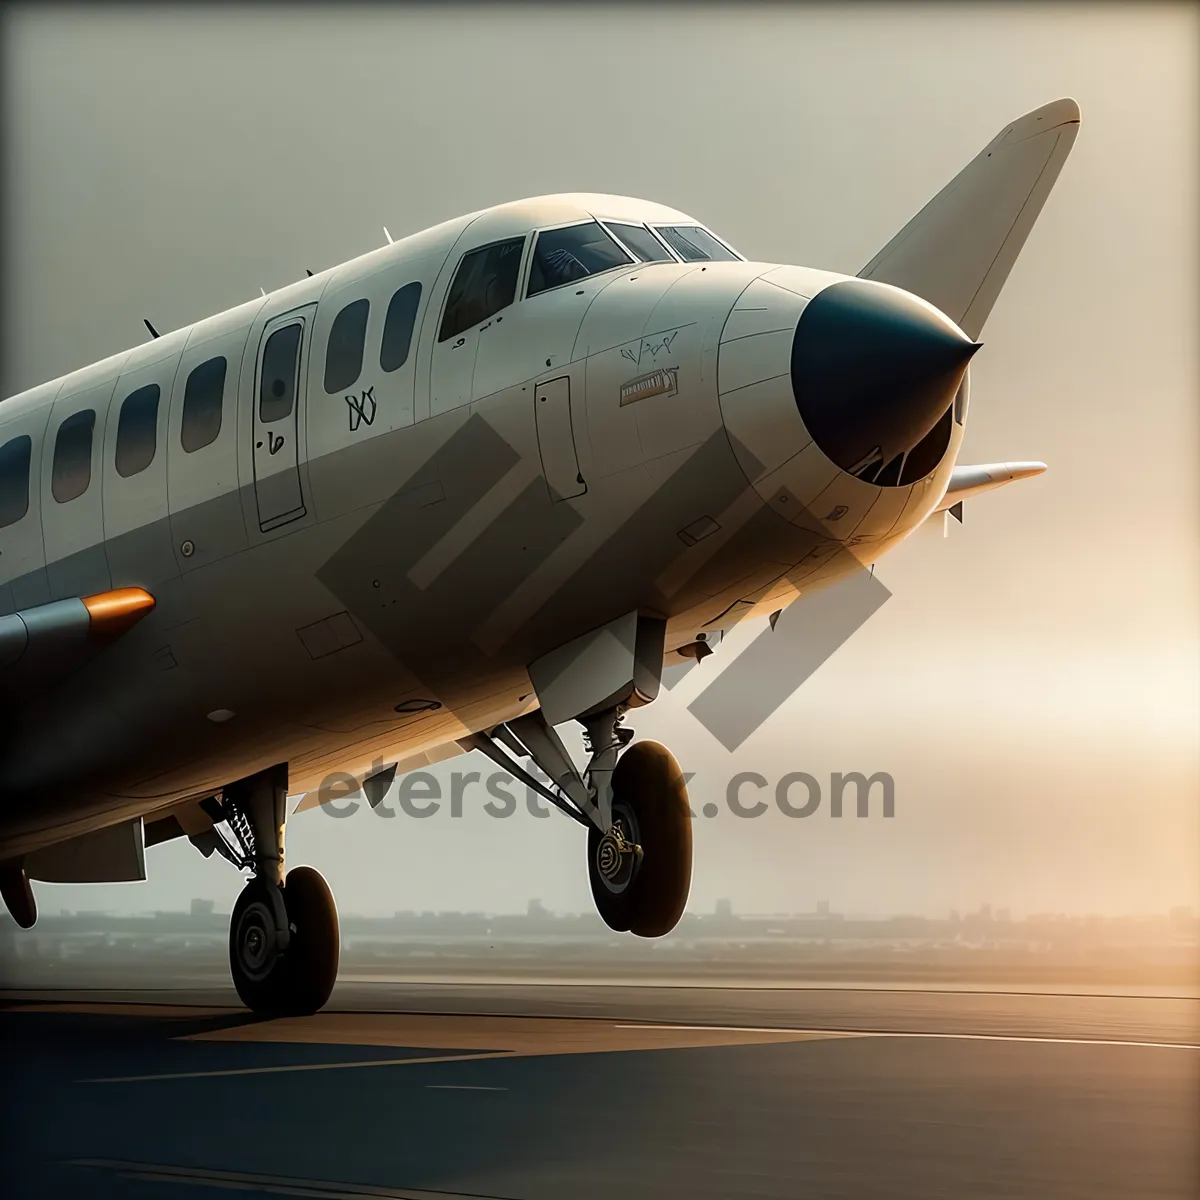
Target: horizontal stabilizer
(958,250)
(966,482)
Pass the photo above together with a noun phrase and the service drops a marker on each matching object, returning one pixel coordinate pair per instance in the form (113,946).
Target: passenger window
(203,401)
(137,431)
(694,244)
(565,255)
(343,358)
(277,387)
(14,479)
(641,242)
(72,470)
(485,282)
(398,327)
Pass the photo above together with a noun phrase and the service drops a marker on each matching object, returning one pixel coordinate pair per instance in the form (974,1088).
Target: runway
(539,1092)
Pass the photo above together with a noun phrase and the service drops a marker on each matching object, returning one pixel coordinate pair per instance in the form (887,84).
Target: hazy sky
(1033,685)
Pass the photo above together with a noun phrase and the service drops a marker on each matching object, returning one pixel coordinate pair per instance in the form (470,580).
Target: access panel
(556,439)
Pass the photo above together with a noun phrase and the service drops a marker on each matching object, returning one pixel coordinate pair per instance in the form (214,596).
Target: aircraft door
(556,439)
(279,376)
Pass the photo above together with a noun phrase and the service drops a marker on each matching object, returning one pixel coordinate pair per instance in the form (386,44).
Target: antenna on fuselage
(153,331)
(387,235)
(261,292)
(308,272)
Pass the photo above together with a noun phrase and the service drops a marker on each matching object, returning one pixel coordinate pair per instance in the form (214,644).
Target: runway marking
(967,1037)
(462,1087)
(518,1035)
(477,1037)
(464,1038)
(103,1008)
(280,1069)
(277,1185)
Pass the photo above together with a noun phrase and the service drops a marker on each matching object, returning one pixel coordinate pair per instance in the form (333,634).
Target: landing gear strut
(635,807)
(283,934)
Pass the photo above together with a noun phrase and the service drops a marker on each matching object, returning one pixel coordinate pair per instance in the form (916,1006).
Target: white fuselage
(417,526)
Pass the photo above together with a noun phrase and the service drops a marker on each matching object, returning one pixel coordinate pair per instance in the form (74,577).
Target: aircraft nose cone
(874,369)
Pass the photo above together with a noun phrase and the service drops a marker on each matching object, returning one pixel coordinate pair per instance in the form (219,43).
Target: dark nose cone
(874,372)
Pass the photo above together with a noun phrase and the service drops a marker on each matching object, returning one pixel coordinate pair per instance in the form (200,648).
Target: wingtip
(1061,114)
(1063,111)
(1026,470)
(1070,107)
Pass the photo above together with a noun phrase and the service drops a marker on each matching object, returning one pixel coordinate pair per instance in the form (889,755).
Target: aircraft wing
(40,645)
(966,482)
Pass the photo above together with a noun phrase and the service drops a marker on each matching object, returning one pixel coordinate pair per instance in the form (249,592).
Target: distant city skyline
(985,911)
(162,949)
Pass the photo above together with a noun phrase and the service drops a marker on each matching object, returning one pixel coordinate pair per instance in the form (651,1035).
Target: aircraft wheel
(644,894)
(296,981)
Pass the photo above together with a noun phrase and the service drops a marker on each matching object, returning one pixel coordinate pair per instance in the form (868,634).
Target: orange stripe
(112,613)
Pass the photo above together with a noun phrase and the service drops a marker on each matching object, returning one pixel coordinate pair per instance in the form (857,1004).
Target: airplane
(482,482)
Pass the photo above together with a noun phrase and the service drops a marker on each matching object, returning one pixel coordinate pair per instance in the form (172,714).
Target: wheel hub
(255,941)
(617,855)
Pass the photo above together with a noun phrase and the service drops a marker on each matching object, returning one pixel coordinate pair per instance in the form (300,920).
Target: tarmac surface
(537,1092)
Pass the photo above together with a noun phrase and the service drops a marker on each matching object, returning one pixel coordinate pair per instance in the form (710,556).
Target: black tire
(650,799)
(311,961)
(298,981)
(253,960)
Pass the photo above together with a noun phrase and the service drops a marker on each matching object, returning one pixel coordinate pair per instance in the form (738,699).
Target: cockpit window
(694,244)
(565,255)
(640,241)
(485,282)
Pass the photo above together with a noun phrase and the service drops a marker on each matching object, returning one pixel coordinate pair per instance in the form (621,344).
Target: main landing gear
(283,934)
(639,849)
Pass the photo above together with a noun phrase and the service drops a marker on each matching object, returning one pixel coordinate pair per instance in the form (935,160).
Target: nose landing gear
(640,868)
(633,801)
